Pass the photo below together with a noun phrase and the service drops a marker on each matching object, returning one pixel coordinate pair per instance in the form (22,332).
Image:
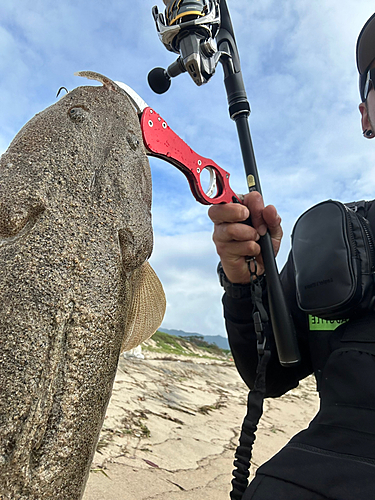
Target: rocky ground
(173,424)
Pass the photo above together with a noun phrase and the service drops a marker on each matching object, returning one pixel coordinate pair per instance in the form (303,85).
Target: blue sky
(298,63)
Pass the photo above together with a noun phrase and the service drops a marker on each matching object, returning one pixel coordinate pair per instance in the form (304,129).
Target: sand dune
(173,424)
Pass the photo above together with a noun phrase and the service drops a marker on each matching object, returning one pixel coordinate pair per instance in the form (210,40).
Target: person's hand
(235,241)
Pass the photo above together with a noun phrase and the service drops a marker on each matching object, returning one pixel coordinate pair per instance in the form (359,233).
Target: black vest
(335,456)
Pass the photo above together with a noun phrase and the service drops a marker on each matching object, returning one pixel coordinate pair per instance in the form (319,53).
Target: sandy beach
(173,424)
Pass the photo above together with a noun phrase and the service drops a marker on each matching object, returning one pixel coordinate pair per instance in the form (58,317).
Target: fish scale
(75,229)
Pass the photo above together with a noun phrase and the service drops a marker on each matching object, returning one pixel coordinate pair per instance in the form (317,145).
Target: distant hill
(220,341)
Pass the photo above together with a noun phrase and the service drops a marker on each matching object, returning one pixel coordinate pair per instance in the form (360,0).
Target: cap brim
(366,46)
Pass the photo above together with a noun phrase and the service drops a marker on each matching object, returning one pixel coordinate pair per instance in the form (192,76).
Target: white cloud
(298,62)
(186,265)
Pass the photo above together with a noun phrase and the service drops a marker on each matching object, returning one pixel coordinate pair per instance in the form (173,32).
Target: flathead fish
(75,236)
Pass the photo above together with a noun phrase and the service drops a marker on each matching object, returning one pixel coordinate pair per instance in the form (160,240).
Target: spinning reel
(188,28)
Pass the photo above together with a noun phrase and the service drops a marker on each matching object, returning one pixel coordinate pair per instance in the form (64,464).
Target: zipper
(365,226)
(353,243)
(352,212)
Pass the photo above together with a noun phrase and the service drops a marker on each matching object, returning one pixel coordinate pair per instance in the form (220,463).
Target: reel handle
(159,79)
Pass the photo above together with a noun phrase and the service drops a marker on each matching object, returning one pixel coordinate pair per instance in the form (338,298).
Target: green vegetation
(102,471)
(186,346)
(206,409)
(198,341)
(131,425)
(167,343)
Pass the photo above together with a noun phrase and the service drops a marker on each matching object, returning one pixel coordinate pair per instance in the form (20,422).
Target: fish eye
(77,114)
(132,141)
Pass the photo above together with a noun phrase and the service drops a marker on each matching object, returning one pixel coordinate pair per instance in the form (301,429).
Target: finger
(273,221)
(255,204)
(227,232)
(228,212)
(237,250)
(271,217)
(234,256)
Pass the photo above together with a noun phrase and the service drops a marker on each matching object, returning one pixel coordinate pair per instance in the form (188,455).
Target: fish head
(83,157)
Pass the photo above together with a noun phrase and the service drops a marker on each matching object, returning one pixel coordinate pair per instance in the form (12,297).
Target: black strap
(256,395)
(249,427)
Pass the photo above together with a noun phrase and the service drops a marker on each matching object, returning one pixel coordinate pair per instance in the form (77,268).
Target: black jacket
(335,456)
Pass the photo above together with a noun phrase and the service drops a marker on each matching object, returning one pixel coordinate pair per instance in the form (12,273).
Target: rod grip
(282,323)
(281,320)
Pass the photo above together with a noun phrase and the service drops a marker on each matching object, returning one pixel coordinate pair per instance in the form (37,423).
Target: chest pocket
(348,378)
(345,421)
(357,335)
(333,252)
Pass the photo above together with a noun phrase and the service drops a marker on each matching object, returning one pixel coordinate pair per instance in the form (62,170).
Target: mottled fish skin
(75,222)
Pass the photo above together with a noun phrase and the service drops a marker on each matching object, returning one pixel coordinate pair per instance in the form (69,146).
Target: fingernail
(262,229)
(245,213)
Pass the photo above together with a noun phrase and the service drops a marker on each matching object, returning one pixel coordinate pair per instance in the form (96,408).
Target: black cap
(365,51)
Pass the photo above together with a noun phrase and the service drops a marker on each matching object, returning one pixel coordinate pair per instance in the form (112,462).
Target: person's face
(367,110)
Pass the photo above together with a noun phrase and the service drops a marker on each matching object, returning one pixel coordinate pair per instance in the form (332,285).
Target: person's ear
(365,120)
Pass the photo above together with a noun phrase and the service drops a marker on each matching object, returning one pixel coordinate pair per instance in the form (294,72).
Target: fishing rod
(201,33)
